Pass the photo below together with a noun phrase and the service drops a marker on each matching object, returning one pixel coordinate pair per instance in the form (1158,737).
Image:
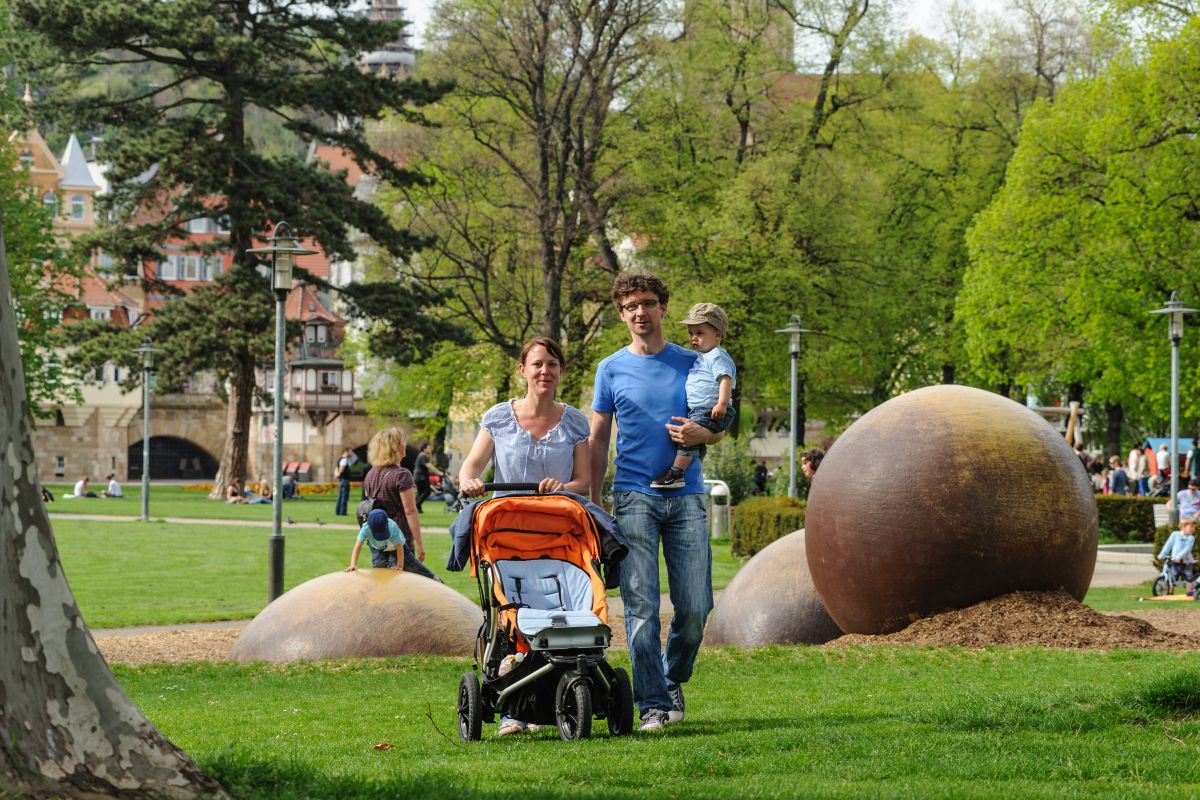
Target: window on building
(26,159)
(101,313)
(310,380)
(166,269)
(213,268)
(321,334)
(201,225)
(78,207)
(223,224)
(191,268)
(310,333)
(331,380)
(50,201)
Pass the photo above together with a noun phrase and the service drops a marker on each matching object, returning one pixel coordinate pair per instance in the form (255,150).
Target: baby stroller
(541,649)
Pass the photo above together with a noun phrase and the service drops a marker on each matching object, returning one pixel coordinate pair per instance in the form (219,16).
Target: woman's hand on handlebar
(548,485)
(472,487)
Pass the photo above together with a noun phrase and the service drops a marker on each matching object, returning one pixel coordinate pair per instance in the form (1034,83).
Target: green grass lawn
(159,573)
(776,722)
(175,501)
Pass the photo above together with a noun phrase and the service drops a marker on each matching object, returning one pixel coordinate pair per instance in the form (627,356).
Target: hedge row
(761,520)
(1128,518)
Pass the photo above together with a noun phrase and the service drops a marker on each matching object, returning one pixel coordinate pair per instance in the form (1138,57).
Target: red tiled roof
(338,159)
(303,304)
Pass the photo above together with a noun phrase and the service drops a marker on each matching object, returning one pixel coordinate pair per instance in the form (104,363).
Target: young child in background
(710,384)
(385,539)
(1178,549)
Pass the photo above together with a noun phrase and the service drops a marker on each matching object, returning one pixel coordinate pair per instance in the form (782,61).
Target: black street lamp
(283,249)
(147,351)
(794,330)
(1174,311)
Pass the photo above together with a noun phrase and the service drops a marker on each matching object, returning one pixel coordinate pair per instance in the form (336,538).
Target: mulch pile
(1046,619)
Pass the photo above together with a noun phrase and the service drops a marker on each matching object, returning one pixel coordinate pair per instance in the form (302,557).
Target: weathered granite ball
(772,601)
(941,498)
(372,612)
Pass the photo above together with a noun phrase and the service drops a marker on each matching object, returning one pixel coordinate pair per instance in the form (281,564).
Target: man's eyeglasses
(649,305)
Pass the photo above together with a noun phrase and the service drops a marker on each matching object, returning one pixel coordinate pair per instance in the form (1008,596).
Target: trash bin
(718,510)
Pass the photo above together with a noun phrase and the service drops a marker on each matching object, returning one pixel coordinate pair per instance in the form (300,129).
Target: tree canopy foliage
(181,147)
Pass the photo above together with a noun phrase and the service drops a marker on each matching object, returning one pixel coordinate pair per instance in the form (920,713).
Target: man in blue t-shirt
(642,386)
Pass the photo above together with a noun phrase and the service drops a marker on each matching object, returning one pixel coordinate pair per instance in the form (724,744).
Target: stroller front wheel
(573,707)
(470,708)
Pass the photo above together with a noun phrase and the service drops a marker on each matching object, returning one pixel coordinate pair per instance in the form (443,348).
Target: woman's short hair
(386,448)
(629,282)
(813,457)
(552,347)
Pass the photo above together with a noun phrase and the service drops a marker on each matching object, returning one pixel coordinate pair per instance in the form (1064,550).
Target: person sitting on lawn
(82,490)
(114,488)
(234,493)
(385,539)
(1178,548)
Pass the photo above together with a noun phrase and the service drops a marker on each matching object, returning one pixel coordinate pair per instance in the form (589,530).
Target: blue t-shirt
(703,385)
(395,539)
(643,393)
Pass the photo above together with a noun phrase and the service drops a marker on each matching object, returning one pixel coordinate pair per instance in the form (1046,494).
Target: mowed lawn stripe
(775,722)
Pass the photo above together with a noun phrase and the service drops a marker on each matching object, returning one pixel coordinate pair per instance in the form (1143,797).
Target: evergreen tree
(183,148)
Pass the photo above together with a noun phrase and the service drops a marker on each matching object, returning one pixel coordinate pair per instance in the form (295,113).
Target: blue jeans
(703,417)
(680,525)
(413,565)
(343,498)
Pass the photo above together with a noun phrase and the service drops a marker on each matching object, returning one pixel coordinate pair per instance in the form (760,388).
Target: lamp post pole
(793,330)
(283,249)
(147,350)
(1174,311)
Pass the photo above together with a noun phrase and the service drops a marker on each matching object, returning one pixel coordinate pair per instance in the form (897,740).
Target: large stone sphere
(371,612)
(772,601)
(941,498)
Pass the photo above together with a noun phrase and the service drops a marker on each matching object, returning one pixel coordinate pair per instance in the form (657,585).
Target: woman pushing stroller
(532,439)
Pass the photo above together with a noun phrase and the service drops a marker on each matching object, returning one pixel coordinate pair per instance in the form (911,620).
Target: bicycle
(1172,573)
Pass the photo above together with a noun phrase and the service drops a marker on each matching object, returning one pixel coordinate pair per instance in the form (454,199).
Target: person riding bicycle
(1178,550)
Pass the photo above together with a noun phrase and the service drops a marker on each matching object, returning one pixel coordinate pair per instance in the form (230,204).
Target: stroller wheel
(1160,587)
(573,707)
(470,708)
(620,704)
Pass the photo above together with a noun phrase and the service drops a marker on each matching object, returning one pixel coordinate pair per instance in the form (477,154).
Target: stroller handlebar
(495,487)
(510,487)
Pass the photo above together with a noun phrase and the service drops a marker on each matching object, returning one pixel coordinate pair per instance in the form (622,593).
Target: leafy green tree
(1095,226)
(184,148)
(39,267)
(523,172)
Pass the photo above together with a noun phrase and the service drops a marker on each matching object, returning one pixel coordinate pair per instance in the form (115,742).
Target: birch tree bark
(67,729)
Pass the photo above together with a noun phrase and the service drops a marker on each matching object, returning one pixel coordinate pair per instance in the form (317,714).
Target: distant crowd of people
(1135,474)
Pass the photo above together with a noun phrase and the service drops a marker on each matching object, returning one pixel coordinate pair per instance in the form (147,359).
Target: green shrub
(729,460)
(1160,538)
(1128,518)
(761,520)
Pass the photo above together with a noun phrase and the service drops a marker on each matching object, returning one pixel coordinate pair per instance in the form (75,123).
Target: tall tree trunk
(1114,417)
(66,726)
(236,452)
(947,373)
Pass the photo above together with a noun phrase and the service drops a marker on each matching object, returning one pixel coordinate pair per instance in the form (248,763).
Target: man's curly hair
(628,283)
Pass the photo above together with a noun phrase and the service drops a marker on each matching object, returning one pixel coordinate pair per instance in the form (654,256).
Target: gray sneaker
(654,720)
(676,712)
